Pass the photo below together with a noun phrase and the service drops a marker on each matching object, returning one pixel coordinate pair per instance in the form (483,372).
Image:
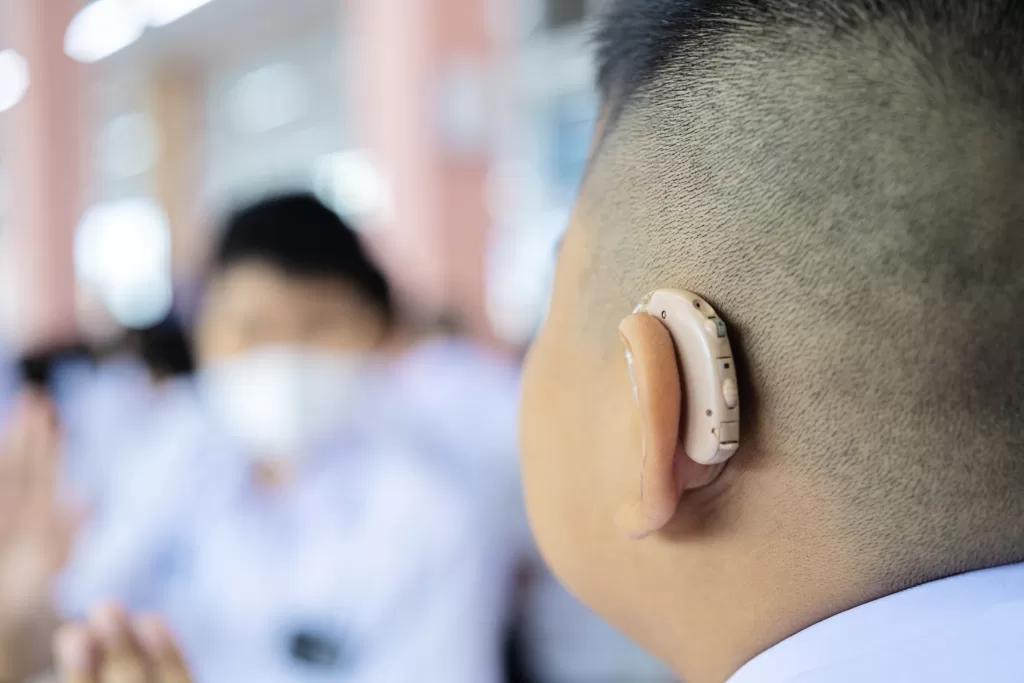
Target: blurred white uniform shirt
(105,409)
(376,565)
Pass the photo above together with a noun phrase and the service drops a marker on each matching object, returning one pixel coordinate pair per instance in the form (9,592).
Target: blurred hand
(113,648)
(35,536)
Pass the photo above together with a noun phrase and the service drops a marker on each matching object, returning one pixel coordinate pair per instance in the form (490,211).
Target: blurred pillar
(47,167)
(421,106)
(176,106)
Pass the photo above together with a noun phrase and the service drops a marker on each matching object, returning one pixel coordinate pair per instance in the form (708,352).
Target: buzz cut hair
(844,181)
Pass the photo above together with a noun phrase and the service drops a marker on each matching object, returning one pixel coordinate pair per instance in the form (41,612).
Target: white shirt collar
(876,626)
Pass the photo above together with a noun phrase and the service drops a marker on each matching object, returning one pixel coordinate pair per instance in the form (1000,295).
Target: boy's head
(290,272)
(844,181)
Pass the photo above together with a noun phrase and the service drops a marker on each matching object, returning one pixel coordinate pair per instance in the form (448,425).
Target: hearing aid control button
(730,393)
(729,432)
(715,327)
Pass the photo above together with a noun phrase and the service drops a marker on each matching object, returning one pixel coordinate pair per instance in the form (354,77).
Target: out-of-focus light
(268,98)
(519,277)
(123,252)
(102,28)
(129,146)
(351,184)
(14,78)
(462,105)
(163,12)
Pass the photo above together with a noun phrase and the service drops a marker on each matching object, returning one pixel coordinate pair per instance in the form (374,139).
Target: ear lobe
(664,469)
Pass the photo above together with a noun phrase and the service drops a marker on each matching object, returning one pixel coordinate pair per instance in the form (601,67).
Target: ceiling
(223,30)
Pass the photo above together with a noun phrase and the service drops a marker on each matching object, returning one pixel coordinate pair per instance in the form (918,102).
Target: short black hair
(165,348)
(638,38)
(299,236)
(850,169)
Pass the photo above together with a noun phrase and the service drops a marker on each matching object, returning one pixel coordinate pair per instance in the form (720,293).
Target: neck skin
(772,575)
(763,616)
(401,339)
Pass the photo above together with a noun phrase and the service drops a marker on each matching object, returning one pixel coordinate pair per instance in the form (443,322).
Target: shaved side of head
(844,181)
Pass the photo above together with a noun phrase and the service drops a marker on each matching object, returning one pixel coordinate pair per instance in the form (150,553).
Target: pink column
(404,54)
(46,166)
(176,105)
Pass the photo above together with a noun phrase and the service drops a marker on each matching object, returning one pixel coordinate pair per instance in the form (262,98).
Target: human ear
(684,382)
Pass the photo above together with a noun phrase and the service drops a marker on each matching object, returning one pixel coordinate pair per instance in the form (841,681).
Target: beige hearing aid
(708,369)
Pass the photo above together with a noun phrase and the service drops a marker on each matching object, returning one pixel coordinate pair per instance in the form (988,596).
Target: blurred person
(315,521)
(140,385)
(455,405)
(62,400)
(108,397)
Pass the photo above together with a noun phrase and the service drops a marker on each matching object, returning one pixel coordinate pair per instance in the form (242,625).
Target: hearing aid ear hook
(707,368)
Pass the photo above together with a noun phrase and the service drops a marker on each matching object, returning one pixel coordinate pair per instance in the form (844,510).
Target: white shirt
(378,564)
(964,629)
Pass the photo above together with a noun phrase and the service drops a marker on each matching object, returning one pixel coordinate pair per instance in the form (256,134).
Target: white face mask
(279,402)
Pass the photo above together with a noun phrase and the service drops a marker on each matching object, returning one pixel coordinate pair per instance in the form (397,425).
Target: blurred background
(288,431)
(452,132)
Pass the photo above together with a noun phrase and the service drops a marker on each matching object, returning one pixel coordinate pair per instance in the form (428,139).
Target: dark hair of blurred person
(165,348)
(37,369)
(297,236)
(292,250)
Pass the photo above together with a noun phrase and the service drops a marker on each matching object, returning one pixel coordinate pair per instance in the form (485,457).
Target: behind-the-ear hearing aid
(711,428)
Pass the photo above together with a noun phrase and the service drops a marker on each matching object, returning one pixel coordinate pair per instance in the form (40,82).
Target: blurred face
(282,359)
(252,306)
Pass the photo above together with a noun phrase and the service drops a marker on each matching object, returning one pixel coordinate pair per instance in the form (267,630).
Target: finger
(65,528)
(76,655)
(163,651)
(12,490)
(15,451)
(17,456)
(123,659)
(42,450)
